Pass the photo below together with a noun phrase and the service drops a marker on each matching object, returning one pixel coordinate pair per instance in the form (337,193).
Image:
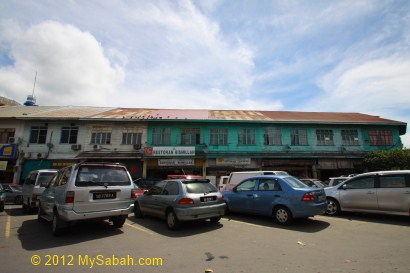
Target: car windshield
(102,176)
(199,187)
(45,178)
(295,183)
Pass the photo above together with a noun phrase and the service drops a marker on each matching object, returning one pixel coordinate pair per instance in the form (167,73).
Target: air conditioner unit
(137,146)
(76,147)
(12,140)
(27,155)
(97,147)
(42,155)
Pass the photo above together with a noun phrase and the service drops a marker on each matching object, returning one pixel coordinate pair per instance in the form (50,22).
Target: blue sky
(337,56)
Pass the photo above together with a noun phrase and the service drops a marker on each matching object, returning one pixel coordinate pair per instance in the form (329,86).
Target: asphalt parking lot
(239,243)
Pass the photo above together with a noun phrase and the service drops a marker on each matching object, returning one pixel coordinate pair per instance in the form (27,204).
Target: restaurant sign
(233,161)
(169,151)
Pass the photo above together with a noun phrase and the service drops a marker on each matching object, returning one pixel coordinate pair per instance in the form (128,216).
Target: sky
(313,55)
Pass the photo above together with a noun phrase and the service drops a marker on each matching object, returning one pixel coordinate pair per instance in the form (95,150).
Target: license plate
(104,195)
(208,199)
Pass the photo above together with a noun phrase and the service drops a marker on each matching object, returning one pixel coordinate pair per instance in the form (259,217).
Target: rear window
(199,186)
(295,183)
(45,178)
(101,176)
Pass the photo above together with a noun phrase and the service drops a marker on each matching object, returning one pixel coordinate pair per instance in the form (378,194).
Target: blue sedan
(283,197)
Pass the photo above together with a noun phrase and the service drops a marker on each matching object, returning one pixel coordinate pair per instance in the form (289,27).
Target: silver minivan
(385,192)
(87,191)
(33,186)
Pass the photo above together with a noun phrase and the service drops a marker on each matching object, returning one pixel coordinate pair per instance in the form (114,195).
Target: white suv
(87,191)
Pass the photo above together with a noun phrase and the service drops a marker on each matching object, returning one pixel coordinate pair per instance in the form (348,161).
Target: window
(247,185)
(161,136)
(298,137)
(38,134)
(219,136)
(350,137)
(361,183)
(101,135)
(131,135)
(394,181)
(69,135)
(324,137)
(190,136)
(269,185)
(5,134)
(272,136)
(246,136)
(380,137)
(157,188)
(172,188)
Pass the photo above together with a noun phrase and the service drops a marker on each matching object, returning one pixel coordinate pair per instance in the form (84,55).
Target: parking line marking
(140,229)
(241,222)
(8,224)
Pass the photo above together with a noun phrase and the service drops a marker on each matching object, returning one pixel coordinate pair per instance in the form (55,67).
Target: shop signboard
(233,161)
(169,151)
(7,150)
(176,162)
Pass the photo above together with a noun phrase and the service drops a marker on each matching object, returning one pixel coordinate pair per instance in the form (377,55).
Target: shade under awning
(109,155)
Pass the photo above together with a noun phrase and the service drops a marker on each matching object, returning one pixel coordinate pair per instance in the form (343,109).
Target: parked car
(181,200)
(145,183)
(33,186)
(87,191)
(14,193)
(236,177)
(386,192)
(333,181)
(314,183)
(283,197)
(2,198)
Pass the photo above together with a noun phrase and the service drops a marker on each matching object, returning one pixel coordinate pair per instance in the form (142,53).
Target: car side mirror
(234,189)
(344,187)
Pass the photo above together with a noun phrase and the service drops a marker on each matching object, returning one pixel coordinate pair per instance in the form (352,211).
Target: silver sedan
(181,200)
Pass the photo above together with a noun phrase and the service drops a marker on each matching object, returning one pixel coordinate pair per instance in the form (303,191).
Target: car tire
(333,207)
(119,221)
(282,215)
(40,213)
(137,211)
(172,220)
(215,219)
(27,208)
(57,225)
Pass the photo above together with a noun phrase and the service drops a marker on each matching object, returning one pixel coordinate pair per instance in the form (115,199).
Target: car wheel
(172,220)
(227,211)
(282,215)
(333,207)
(215,219)
(27,207)
(137,211)
(40,213)
(57,225)
(119,221)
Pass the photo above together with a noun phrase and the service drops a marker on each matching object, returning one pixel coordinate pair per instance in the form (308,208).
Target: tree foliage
(387,160)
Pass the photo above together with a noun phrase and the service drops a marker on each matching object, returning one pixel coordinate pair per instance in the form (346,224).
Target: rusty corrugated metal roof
(146,114)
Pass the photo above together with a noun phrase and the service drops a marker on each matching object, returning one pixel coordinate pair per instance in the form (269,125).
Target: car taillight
(186,201)
(134,194)
(69,197)
(308,197)
(222,197)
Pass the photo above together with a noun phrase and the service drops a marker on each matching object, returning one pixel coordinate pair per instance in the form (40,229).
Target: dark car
(283,197)
(14,193)
(2,198)
(145,184)
(181,200)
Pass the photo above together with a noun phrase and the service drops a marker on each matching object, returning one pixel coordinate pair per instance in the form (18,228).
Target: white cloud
(70,64)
